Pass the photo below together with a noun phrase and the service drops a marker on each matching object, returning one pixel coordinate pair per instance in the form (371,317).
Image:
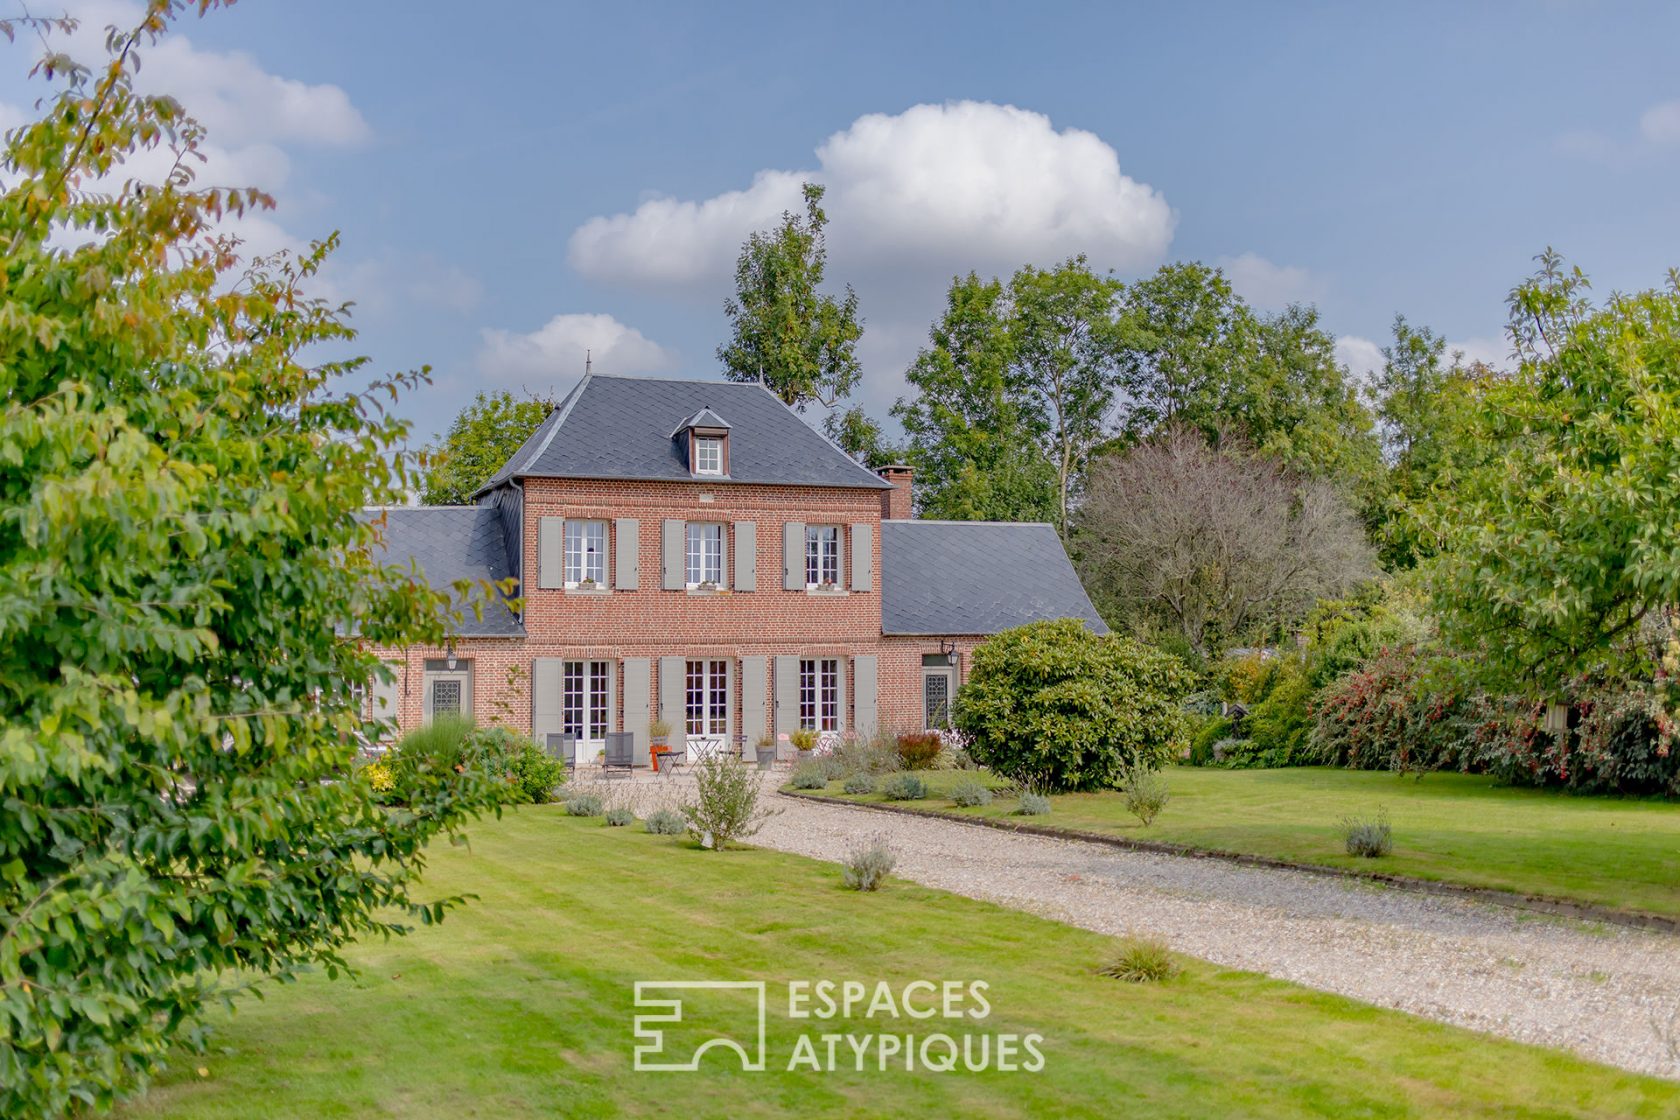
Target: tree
(1012,393)
(1054,706)
(857,433)
(1557,526)
(483,437)
(785,332)
(182,554)
(1194,352)
(1218,544)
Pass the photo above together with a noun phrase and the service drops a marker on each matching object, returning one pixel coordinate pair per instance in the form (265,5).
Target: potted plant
(659,740)
(587,584)
(707,585)
(804,739)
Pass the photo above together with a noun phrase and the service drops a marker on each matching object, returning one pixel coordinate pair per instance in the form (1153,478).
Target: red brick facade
(653,623)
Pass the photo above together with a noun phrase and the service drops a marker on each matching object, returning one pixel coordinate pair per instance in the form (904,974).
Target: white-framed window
(708,455)
(706,712)
(583,699)
(819,693)
(822,556)
(705,554)
(586,553)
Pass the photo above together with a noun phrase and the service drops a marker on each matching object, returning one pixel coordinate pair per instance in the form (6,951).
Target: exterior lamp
(449,655)
(950,653)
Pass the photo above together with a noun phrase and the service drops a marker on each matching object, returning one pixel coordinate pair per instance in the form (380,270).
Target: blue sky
(516,181)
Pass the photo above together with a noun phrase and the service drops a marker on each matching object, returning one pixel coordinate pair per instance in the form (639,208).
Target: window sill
(590,592)
(707,590)
(828,593)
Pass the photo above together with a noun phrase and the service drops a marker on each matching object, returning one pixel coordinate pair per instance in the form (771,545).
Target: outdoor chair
(562,746)
(620,753)
(670,759)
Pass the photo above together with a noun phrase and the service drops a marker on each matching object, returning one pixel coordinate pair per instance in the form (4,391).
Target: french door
(707,706)
(584,702)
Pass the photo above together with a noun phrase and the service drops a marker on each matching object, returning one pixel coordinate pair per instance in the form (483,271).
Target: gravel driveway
(1607,993)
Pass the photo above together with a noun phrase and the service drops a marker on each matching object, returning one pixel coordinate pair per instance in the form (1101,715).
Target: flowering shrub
(1620,740)
(1403,711)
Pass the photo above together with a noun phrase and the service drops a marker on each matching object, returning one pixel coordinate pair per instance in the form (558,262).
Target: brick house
(694,551)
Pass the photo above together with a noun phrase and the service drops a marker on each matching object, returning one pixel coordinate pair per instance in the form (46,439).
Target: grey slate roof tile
(976,577)
(450,543)
(621,427)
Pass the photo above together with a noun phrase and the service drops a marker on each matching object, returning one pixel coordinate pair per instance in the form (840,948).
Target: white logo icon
(666,1016)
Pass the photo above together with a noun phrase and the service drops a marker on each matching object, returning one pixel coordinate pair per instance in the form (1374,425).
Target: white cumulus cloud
(932,190)
(1660,124)
(1361,356)
(1269,285)
(555,351)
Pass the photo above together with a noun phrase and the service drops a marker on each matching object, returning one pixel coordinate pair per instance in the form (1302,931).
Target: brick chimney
(895,503)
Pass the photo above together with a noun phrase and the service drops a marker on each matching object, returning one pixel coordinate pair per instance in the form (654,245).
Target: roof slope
(976,577)
(450,543)
(621,427)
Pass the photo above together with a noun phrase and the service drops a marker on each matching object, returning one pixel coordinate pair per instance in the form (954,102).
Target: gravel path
(1607,993)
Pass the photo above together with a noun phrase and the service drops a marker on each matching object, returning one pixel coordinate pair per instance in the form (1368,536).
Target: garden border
(1515,900)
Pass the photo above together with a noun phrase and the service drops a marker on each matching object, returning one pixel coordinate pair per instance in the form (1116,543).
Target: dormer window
(708,455)
(703,443)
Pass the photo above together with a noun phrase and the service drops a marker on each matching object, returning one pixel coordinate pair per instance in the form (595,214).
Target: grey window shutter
(551,552)
(793,559)
(386,696)
(637,698)
(753,673)
(723,556)
(627,555)
(863,555)
(787,694)
(673,686)
(547,686)
(673,551)
(865,718)
(746,556)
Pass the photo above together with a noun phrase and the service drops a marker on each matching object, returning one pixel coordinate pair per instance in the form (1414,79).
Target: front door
(707,706)
(936,696)
(447,692)
(584,704)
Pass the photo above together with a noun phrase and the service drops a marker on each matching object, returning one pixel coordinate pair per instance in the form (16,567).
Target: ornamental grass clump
(867,864)
(904,787)
(583,805)
(970,793)
(1371,838)
(1033,805)
(859,784)
(620,817)
(1140,960)
(665,822)
(809,775)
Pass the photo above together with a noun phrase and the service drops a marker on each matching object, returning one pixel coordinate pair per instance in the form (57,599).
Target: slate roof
(451,543)
(976,577)
(621,427)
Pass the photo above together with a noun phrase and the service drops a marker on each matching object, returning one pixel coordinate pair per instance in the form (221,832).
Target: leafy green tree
(483,437)
(1052,705)
(858,434)
(785,331)
(1012,393)
(182,552)
(1560,540)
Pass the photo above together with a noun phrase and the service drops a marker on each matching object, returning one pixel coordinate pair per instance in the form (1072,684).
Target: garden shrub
(725,805)
(1140,960)
(1616,743)
(428,753)
(809,775)
(971,793)
(380,779)
(1055,705)
(860,783)
(918,750)
(873,754)
(1145,793)
(665,822)
(1368,837)
(904,787)
(1246,679)
(1033,805)
(867,865)
(1201,747)
(519,769)
(620,817)
(1404,711)
(583,805)
(1281,725)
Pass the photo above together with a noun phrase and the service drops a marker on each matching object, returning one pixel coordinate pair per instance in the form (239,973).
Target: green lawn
(1622,853)
(521,1005)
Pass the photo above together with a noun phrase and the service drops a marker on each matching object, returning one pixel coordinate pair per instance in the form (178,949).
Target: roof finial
(588,363)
